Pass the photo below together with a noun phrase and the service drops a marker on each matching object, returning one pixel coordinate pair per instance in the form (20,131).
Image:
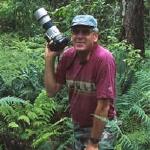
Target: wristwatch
(94,140)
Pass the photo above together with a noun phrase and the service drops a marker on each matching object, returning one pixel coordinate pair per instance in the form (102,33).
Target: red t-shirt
(88,82)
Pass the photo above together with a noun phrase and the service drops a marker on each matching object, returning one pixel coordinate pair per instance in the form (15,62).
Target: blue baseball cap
(86,20)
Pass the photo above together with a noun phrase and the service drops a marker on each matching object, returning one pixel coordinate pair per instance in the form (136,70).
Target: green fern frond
(13,125)
(11,100)
(39,111)
(141,114)
(30,132)
(24,118)
(124,140)
(43,138)
(48,131)
(32,115)
(45,106)
(140,137)
(126,143)
(38,123)
(8,113)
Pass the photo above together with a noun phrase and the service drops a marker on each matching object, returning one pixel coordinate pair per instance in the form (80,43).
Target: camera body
(53,36)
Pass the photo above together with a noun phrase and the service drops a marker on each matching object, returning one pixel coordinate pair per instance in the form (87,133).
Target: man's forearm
(49,75)
(99,124)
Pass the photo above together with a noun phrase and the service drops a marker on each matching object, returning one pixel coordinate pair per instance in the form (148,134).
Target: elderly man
(89,71)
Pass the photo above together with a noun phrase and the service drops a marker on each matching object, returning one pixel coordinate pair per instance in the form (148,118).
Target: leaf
(24,136)
(43,138)
(11,100)
(25,119)
(32,115)
(13,125)
(38,123)
(30,132)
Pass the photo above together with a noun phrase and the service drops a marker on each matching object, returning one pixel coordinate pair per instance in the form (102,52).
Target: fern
(24,118)
(48,132)
(140,137)
(11,100)
(141,114)
(33,123)
(13,125)
(134,112)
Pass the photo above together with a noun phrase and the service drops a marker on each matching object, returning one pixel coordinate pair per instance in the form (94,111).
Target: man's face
(83,38)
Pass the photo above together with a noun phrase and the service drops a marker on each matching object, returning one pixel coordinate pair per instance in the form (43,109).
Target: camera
(53,36)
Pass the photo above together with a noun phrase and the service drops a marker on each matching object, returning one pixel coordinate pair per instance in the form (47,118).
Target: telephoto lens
(56,39)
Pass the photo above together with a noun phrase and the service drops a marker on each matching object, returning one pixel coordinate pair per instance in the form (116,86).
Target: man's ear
(95,37)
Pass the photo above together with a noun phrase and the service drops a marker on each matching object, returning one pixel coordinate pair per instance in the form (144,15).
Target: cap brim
(80,24)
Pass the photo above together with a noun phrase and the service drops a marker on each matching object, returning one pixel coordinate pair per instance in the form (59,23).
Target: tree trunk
(133,23)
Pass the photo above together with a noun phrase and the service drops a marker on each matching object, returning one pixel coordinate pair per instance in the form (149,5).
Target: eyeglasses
(84,31)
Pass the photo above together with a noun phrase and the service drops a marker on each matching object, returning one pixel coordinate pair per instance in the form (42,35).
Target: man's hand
(52,87)
(92,147)
(49,52)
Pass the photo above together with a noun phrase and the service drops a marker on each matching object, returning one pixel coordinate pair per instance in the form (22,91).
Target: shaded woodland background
(28,118)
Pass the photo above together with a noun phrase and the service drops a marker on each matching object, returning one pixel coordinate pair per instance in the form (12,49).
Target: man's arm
(52,87)
(101,110)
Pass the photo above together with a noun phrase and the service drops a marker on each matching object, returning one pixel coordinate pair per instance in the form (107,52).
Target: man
(89,71)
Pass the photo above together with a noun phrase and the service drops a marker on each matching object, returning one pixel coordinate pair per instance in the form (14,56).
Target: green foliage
(21,72)
(139,137)
(18,15)
(108,24)
(146,23)
(32,123)
(4,88)
(28,84)
(133,108)
(128,61)
(10,100)
(17,53)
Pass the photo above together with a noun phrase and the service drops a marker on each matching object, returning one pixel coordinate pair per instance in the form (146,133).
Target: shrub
(29,126)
